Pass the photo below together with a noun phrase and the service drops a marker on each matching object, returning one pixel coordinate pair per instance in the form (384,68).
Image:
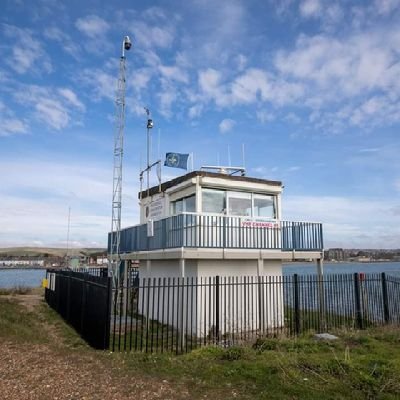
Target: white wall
(244,303)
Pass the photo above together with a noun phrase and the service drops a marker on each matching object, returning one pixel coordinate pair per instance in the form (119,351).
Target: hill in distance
(49,252)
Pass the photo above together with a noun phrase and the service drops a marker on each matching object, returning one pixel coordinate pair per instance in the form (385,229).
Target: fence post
(321,295)
(57,278)
(83,312)
(357,297)
(217,309)
(107,332)
(296,299)
(385,298)
(69,298)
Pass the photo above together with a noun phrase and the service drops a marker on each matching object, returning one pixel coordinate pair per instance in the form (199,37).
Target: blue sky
(311,87)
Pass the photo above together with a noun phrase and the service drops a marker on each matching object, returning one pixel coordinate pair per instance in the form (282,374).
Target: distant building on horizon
(335,254)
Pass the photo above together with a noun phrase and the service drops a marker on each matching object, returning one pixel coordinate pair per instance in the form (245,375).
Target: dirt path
(54,372)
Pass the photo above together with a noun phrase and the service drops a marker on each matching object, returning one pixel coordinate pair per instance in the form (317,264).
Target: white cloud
(350,66)
(27,52)
(226,125)
(195,111)
(140,79)
(52,113)
(348,222)
(346,73)
(241,62)
(310,8)
(167,97)
(64,40)
(9,124)
(281,7)
(85,187)
(211,86)
(174,73)
(101,83)
(71,97)
(252,86)
(264,116)
(92,26)
(12,126)
(385,7)
(53,107)
(152,36)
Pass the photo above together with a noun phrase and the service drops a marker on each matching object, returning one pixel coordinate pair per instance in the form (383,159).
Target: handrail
(211,231)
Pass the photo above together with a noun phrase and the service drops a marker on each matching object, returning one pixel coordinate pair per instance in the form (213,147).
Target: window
(264,206)
(239,204)
(190,203)
(187,204)
(213,201)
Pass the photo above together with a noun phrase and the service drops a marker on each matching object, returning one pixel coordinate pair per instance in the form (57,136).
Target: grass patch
(285,368)
(17,323)
(359,365)
(15,290)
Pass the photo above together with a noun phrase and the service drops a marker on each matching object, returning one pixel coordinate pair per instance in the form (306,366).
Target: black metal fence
(95,271)
(84,301)
(179,314)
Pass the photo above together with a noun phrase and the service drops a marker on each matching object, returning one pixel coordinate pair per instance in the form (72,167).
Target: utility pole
(114,265)
(149,127)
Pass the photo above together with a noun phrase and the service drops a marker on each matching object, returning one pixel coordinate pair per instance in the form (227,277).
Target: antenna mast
(67,253)
(115,239)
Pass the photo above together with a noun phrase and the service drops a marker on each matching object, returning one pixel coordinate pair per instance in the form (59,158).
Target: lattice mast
(115,236)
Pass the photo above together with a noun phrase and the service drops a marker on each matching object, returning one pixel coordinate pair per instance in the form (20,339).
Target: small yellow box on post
(45,283)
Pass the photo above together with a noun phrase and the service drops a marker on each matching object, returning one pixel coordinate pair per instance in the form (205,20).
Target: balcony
(191,230)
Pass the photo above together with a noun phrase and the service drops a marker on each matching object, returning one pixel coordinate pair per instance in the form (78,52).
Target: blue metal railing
(210,231)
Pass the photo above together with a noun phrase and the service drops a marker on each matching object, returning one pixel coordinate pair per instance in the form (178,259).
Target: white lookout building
(205,224)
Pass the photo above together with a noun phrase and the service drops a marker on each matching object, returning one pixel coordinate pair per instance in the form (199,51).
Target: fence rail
(179,314)
(210,231)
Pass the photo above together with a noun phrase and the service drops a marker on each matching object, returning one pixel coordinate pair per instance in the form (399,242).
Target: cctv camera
(127,43)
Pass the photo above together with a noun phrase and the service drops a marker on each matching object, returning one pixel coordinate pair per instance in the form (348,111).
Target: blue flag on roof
(176,160)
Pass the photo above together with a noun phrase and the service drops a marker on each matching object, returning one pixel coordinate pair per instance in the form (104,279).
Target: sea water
(10,278)
(342,268)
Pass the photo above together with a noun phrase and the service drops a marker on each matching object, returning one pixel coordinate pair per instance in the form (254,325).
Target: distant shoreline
(343,262)
(22,267)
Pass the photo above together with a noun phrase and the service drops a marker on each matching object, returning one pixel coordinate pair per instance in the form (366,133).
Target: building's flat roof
(176,181)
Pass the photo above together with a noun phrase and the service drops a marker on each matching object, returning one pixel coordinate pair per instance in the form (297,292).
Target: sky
(311,88)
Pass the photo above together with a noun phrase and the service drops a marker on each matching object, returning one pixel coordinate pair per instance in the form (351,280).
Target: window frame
(243,194)
(183,200)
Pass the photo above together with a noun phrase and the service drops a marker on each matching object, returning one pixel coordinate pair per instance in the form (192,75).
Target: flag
(176,160)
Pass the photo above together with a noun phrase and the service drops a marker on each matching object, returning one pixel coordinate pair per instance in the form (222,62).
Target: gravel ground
(53,372)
